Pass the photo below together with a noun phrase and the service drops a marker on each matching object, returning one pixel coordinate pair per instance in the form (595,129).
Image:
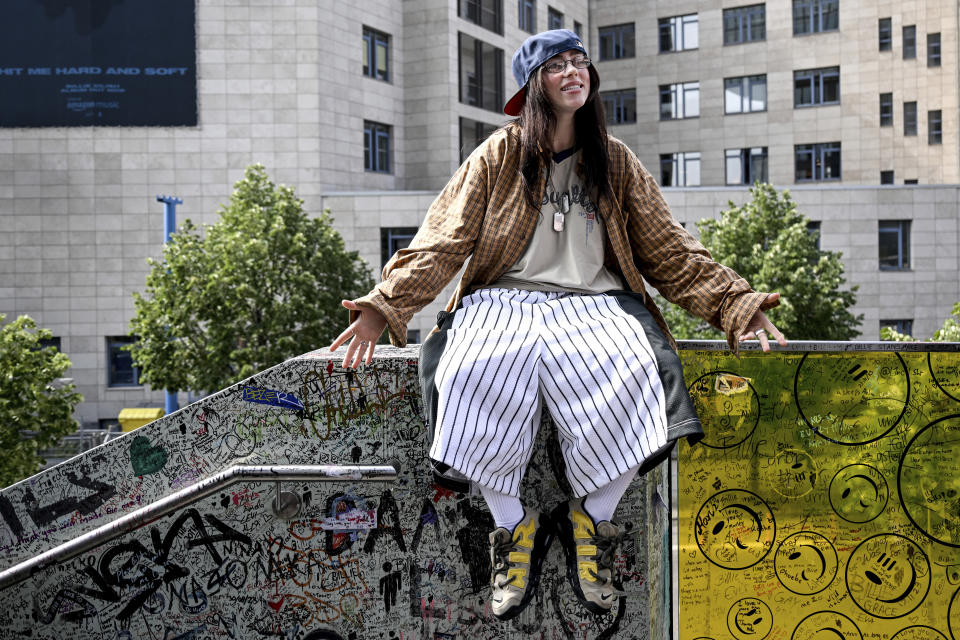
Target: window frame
(746,157)
(745,92)
(115,345)
(614,34)
(527,15)
(680,163)
(885,34)
(818,163)
(488,13)
(675,29)
(910,118)
(372,40)
(744,23)
(482,131)
(618,102)
(886,109)
(909,51)
(815,227)
(934,50)
(900,325)
(391,239)
(374,134)
(474,79)
(935,133)
(902,230)
(887,176)
(679,100)
(554,18)
(817,78)
(818,9)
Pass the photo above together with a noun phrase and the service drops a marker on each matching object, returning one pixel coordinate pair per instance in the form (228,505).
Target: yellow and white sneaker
(516,560)
(590,548)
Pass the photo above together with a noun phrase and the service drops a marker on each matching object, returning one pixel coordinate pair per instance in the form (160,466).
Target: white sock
(507,511)
(601,504)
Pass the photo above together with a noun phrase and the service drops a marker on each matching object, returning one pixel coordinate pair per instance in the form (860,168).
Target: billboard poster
(81,63)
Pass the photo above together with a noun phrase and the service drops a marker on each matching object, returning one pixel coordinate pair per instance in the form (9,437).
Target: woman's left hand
(760,326)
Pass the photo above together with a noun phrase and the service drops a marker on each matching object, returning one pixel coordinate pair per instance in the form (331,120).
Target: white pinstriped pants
(587,360)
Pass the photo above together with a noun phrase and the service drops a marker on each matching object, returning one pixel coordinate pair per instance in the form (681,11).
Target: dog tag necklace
(563,207)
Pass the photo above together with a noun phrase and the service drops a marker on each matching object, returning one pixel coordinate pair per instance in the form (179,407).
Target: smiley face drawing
(735,529)
(919,632)
(928,480)
(749,619)
(858,493)
(805,563)
(888,575)
(826,625)
(794,473)
(728,406)
(851,400)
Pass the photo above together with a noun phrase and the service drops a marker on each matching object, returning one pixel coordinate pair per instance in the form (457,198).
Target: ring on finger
(759,331)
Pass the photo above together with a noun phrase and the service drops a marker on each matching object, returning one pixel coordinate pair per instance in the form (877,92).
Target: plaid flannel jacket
(483,215)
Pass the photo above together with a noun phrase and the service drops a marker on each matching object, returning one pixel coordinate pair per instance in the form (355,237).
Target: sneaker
(516,559)
(590,548)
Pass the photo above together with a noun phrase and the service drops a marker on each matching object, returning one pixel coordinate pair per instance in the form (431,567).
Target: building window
(486,13)
(886,109)
(681,100)
(813,87)
(935,127)
(904,326)
(481,74)
(894,244)
(54,342)
(376,147)
(376,54)
(813,228)
(472,133)
(817,161)
(745,24)
(886,34)
(909,118)
(933,49)
(886,177)
(746,166)
(679,33)
(913,181)
(909,42)
(745,94)
(815,16)
(617,41)
(393,239)
(413,336)
(554,19)
(620,106)
(120,369)
(578,28)
(528,15)
(680,169)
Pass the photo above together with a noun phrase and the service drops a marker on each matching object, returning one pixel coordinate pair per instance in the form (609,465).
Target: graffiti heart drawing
(145,458)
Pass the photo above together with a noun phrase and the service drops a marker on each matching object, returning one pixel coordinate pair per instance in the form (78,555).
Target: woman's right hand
(365,331)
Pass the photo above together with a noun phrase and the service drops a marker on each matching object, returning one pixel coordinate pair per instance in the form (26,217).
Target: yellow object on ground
(130,419)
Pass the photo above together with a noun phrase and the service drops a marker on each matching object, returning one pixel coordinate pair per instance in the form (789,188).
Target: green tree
(33,399)
(766,241)
(261,285)
(949,332)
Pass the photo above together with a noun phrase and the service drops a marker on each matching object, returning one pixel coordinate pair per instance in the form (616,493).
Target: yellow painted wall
(824,502)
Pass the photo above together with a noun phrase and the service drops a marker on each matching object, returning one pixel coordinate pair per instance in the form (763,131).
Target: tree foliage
(949,332)
(36,407)
(766,241)
(261,285)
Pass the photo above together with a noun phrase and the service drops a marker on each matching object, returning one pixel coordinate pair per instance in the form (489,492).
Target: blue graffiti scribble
(272,397)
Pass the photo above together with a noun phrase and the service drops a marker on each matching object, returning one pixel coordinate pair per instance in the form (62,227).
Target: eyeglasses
(560,66)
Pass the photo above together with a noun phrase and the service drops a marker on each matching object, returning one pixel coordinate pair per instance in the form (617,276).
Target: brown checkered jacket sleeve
(672,260)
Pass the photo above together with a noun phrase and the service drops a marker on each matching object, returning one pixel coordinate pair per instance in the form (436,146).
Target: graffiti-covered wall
(358,562)
(824,501)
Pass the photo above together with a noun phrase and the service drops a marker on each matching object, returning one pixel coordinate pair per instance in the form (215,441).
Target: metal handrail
(189,495)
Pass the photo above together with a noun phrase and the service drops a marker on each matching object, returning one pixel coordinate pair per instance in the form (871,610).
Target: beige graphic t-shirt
(570,259)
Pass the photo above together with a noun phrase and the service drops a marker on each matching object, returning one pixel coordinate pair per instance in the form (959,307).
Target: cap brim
(515,105)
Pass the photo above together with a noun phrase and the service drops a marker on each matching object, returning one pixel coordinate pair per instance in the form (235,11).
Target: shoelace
(607,548)
(501,552)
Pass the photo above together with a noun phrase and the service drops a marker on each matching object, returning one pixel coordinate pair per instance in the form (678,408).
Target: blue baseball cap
(534,51)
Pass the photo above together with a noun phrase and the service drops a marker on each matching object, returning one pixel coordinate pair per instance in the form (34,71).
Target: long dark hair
(537,123)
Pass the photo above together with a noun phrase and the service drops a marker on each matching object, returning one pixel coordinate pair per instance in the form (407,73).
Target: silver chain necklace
(559,215)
